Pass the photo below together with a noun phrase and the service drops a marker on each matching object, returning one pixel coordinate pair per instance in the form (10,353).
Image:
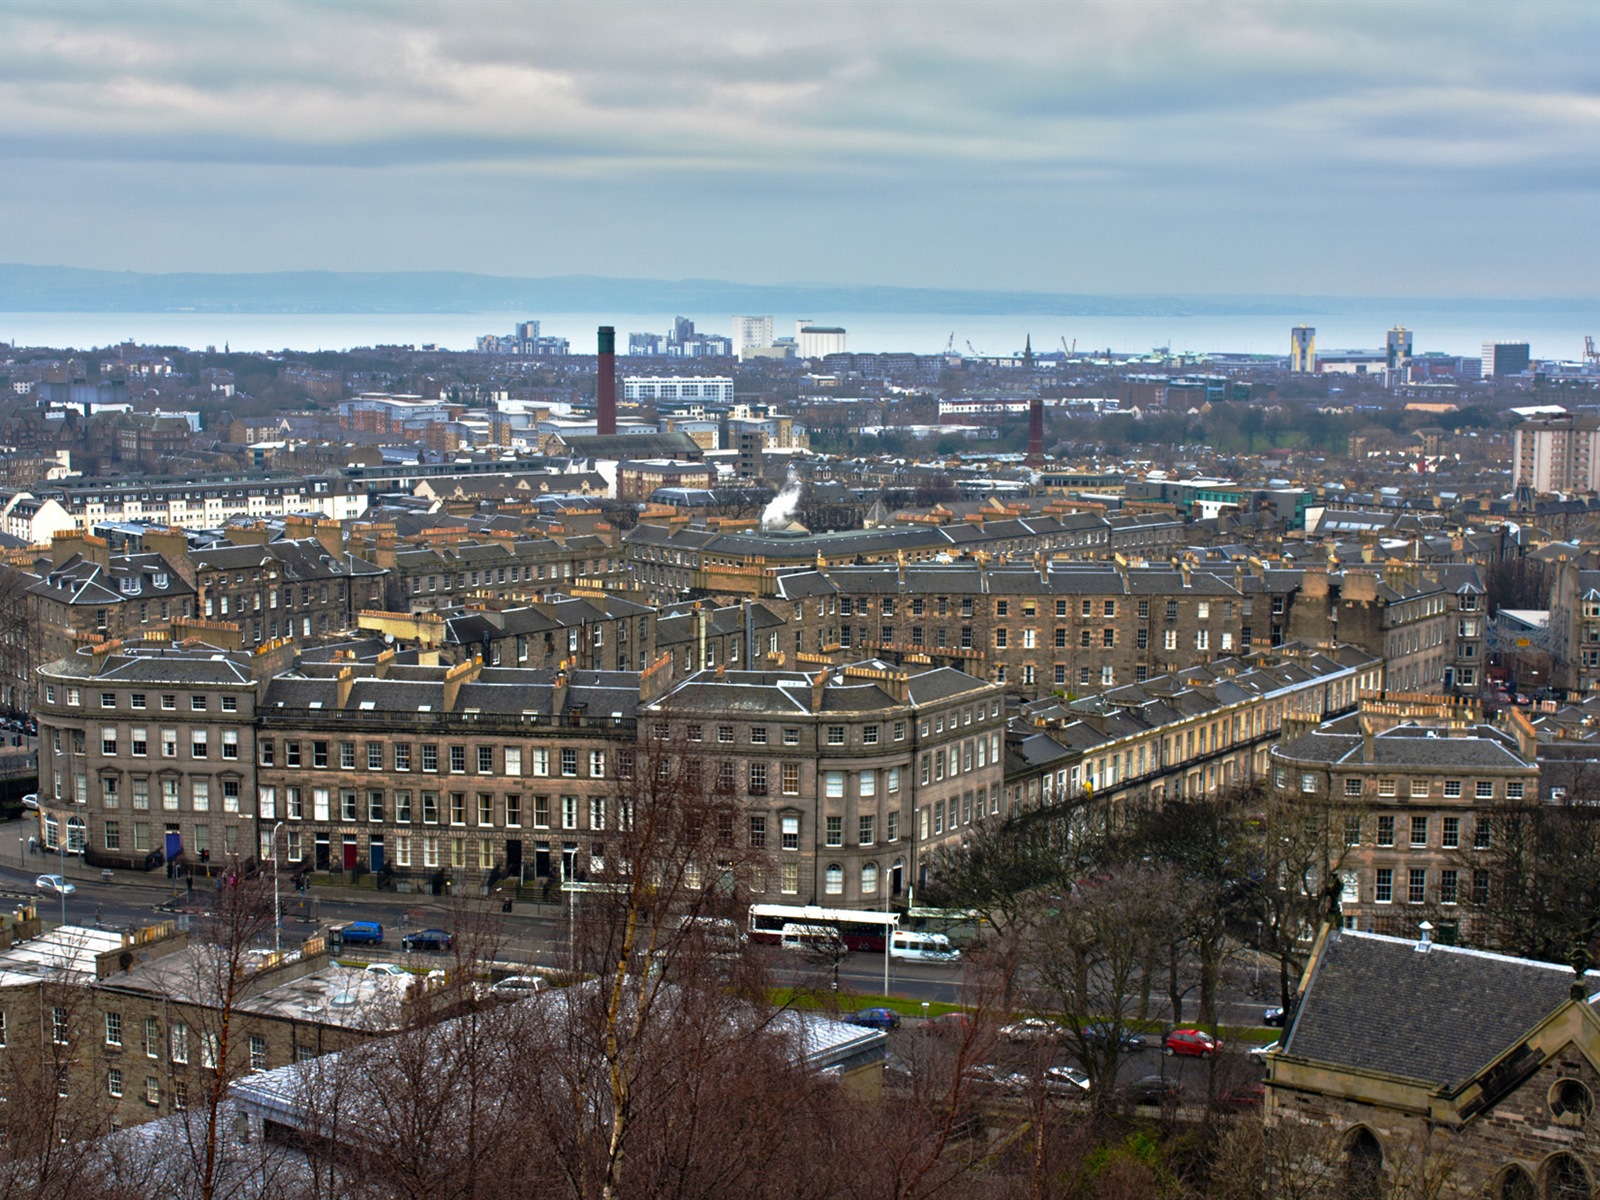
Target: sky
(1433,149)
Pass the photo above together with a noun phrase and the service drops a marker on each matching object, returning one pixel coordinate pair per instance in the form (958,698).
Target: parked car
(368,933)
(1273,1017)
(875,1018)
(1242,1098)
(1258,1054)
(388,969)
(1031,1029)
(428,939)
(1192,1043)
(1152,1089)
(988,1077)
(1102,1032)
(949,1023)
(1065,1081)
(31,800)
(517,987)
(54,883)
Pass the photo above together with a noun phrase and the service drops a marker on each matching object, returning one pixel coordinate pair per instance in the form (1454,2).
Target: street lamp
(61,853)
(277,912)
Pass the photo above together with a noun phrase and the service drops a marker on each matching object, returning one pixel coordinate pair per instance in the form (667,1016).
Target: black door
(541,860)
(514,857)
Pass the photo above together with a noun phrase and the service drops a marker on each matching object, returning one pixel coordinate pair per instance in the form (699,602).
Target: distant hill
(25,288)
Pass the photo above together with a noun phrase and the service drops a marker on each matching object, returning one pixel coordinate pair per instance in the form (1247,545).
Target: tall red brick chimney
(1035,433)
(605,392)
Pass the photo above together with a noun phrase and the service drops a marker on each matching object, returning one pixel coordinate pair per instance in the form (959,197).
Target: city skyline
(1216,148)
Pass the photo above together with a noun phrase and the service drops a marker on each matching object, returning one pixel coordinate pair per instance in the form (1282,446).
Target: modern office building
(1501,359)
(1399,347)
(1303,349)
(751,333)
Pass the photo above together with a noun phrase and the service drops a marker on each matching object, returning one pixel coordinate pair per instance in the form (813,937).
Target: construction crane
(1073,350)
(950,345)
(1590,354)
(973,348)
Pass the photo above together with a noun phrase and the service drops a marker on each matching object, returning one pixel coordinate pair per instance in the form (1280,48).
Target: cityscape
(1084,722)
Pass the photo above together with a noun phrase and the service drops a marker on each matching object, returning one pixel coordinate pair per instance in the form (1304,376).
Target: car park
(1031,1029)
(428,939)
(56,884)
(875,1018)
(1190,1043)
(1101,1032)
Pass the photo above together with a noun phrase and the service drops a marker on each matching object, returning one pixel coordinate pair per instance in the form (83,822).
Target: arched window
(869,879)
(77,835)
(1566,1179)
(897,877)
(1516,1184)
(1363,1166)
(833,880)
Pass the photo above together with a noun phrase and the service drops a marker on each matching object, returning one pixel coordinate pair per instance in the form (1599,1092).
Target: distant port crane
(1590,354)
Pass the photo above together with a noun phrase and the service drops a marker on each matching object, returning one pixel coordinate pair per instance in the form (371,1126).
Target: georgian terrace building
(1427,786)
(1187,734)
(148,750)
(427,774)
(850,776)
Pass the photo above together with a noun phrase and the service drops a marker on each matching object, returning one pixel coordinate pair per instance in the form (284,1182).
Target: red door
(349,854)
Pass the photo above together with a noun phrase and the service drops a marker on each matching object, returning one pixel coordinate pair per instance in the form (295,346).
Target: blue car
(875,1018)
(1100,1034)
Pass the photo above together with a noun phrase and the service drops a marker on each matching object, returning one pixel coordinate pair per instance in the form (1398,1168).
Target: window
(1452,789)
(790,779)
(569,812)
(833,785)
(725,733)
(1308,782)
(791,736)
(1352,829)
(835,735)
(1450,839)
(597,764)
(835,831)
(1385,831)
(833,880)
(789,833)
(180,1095)
(1448,887)
(1352,787)
(1417,886)
(197,703)
(1480,887)
(1483,789)
(430,757)
(230,743)
(179,1037)
(789,878)
(758,832)
(1482,837)
(347,756)
(458,760)
(1419,831)
(152,1038)
(1514,790)
(258,1052)
(114,1081)
(113,1029)
(1384,891)
(758,735)
(866,828)
(1386,788)
(569,761)
(1419,789)
(758,779)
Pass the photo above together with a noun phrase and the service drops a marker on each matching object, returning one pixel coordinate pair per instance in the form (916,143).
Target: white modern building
(817,341)
(714,388)
(751,333)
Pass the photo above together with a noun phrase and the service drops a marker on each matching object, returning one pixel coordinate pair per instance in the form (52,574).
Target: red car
(1193,1043)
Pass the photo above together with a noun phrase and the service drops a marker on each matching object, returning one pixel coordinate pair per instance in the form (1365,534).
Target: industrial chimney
(1035,432)
(605,392)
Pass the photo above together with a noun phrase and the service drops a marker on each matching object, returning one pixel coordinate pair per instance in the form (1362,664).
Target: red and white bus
(866,931)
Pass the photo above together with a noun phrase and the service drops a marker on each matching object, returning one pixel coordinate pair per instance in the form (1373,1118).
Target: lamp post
(277,911)
(61,854)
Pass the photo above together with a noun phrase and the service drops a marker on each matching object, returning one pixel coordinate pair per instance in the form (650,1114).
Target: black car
(1152,1089)
(1100,1034)
(1273,1017)
(428,939)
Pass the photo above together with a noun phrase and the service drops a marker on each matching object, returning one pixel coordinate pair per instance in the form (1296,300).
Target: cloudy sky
(1410,149)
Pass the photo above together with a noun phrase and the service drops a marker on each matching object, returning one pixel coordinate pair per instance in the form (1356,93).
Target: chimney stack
(1036,432)
(606,383)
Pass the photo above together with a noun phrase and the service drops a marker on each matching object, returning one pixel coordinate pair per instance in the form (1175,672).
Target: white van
(822,939)
(928,947)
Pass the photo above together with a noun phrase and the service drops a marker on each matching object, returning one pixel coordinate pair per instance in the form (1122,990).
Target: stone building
(1410,1059)
(501,569)
(1402,612)
(1425,785)
(148,750)
(594,631)
(850,777)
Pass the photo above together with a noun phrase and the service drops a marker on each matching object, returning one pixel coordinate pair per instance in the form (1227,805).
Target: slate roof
(1462,1008)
